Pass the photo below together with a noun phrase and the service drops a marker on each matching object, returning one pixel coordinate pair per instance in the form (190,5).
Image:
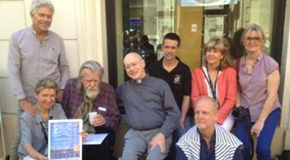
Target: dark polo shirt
(179,79)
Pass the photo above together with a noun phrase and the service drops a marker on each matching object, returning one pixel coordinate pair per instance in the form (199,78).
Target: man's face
(91,82)
(170,49)
(42,19)
(134,66)
(204,114)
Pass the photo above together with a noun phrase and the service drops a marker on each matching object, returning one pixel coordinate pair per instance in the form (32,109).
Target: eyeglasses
(133,65)
(253,39)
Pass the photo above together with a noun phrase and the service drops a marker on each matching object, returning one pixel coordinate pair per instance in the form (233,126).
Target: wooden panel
(191,42)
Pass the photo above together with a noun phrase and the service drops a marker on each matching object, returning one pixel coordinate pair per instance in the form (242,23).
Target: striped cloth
(225,146)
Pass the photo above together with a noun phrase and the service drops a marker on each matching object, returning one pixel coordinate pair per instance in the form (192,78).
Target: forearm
(64,68)
(168,126)
(267,108)
(13,69)
(238,101)
(113,121)
(272,90)
(32,152)
(64,77)
(185,105)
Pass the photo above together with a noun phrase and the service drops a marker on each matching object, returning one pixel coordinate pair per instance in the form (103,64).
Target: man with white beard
(87,93)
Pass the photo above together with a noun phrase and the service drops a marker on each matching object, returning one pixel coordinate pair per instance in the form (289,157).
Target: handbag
(240,113)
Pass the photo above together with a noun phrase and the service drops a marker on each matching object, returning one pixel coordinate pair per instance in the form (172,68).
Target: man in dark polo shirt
(177,75)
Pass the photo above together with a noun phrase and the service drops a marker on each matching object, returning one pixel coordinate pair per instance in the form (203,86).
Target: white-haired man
(87,93)
(207,140)
(35,53)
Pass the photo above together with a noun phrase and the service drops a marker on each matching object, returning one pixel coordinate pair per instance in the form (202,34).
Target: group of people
(162,103)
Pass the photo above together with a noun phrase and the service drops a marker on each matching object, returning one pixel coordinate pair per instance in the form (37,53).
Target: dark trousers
(177,134)
(263,149)
(103,151)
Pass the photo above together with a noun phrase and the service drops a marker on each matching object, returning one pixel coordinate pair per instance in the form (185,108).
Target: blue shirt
(31,130)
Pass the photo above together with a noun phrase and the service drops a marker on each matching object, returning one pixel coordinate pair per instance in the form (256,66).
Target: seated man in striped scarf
(207,140)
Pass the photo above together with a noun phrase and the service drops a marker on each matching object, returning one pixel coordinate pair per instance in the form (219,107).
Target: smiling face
(134,66)
(213,56)
(253,42)
(46,98)
(42,19)
(170,49)
(205,114)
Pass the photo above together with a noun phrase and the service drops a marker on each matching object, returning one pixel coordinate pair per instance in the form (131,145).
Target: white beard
(92,93)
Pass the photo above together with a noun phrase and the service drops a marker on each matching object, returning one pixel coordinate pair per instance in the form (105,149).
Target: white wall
(70,22)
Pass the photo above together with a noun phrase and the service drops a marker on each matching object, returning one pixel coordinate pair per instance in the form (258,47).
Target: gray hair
(93,66)
(40,3)
(214,103)
(253,27)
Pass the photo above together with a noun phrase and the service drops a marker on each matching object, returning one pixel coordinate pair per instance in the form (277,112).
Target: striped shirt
(224,145)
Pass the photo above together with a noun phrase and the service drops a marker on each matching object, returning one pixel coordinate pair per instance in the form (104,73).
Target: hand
(59,95)
(98,120)
(257,128)
(27,107)
(181,122)
(42,158)
(84,135)
(159,139)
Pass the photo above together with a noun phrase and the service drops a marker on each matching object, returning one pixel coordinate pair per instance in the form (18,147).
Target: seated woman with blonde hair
(34,138)
(217,79)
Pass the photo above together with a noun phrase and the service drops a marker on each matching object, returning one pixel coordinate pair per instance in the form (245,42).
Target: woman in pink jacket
(217,79)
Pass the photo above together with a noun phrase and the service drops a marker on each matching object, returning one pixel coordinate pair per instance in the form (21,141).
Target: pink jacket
(227,90)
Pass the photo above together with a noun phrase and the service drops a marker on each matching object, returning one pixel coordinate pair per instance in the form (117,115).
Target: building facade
(104,30)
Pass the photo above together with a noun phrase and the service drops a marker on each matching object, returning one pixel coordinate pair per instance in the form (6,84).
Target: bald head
(132,55)
(134,66)
(207,102)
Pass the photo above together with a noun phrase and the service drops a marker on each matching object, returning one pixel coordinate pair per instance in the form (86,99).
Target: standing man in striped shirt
(35,53)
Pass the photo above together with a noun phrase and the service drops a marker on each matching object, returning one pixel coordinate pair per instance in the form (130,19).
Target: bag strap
(212,86)
(45,135)
(237,66)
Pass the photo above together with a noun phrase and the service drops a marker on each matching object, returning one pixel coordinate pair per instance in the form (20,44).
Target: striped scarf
(225,146)
(83,113)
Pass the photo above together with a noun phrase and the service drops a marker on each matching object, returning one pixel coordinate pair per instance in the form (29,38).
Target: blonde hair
(45,83)
(221,44)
